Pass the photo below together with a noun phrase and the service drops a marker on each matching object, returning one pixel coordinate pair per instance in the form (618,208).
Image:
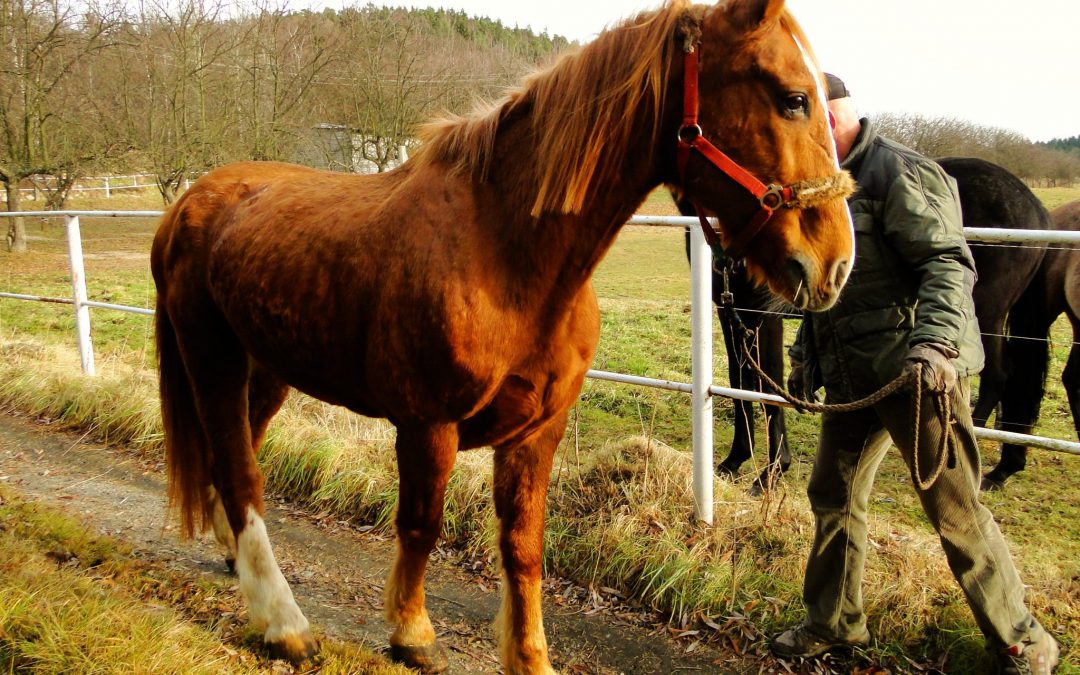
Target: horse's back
(261,247)
(991,196)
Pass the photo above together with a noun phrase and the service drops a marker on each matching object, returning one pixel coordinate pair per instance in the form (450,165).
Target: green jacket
(911,281)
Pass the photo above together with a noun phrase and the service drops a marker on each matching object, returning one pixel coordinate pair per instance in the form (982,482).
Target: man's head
(846,124)
(837,88)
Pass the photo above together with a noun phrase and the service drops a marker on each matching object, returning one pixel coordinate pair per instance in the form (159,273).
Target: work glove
(938,371)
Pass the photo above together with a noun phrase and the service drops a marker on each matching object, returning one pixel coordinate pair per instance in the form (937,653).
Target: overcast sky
(1010,64)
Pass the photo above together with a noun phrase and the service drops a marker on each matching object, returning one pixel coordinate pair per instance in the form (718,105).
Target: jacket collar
(860,147)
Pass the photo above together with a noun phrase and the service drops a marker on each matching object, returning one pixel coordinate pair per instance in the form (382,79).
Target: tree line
(1049,164)
(175,87)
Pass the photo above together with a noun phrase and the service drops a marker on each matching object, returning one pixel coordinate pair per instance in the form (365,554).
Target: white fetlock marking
(271,606)
(535,642)
(411,629)
(222,530)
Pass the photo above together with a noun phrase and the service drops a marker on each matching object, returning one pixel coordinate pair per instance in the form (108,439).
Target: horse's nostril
(796,271)
(840,273)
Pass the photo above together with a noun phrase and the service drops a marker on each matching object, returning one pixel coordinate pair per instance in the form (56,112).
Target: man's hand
(938,372)
(797,384)
(795,379)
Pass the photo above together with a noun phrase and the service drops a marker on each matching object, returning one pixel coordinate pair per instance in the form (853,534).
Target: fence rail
(107,184)
(701,389)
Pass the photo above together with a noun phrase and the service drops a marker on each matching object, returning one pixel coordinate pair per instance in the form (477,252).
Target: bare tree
(277,68)
(173,100)
(42,45)
(390,80)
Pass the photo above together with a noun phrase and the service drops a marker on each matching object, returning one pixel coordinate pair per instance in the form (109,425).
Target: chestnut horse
(452,295)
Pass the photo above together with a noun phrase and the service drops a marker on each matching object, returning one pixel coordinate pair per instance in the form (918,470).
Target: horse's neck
(558,253)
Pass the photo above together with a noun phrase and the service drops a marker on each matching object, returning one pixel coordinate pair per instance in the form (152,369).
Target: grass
(72,602)
(1055,197)
(619,506)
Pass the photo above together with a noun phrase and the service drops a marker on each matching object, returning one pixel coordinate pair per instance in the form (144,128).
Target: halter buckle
(773,197)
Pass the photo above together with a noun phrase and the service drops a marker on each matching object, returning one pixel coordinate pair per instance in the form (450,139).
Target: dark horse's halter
(770,197)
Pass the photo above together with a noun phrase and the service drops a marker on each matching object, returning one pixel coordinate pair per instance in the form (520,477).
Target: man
(908,301)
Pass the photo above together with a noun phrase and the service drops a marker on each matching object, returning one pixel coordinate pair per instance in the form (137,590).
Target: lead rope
(943,407)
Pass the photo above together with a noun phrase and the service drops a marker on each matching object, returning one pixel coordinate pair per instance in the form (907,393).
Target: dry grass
(71,602)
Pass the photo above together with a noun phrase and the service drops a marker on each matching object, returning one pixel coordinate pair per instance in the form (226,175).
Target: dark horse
(990,196)
(452,295)
(1054,290)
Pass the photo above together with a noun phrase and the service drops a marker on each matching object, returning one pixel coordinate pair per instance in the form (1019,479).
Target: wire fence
(702,389)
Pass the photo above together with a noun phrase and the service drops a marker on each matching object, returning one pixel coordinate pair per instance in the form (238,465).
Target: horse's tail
(187,451)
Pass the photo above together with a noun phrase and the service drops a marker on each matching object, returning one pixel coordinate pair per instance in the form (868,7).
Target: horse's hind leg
(219,373)
(266,393)
(425,458)
(994,375)
(1071,377)
(522,473)
(1028,355)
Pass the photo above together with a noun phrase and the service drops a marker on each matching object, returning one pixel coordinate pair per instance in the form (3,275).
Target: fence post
(108,193)
(78,287)
(702,366)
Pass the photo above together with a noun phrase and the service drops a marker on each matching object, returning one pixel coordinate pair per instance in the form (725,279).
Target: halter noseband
(770,197)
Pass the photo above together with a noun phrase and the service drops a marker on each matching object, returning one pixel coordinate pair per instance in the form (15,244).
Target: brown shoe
(1033,656)
(801,642)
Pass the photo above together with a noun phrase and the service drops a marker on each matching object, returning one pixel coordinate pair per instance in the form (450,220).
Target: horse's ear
(747,15)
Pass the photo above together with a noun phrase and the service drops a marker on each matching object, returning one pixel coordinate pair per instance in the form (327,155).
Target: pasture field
(620,504)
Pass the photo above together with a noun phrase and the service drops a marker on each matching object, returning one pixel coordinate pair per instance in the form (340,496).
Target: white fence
(701,388)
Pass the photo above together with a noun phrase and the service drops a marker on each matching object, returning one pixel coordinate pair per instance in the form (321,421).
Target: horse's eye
(796,104)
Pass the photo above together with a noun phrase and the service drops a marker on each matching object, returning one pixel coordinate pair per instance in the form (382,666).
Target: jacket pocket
(878,320)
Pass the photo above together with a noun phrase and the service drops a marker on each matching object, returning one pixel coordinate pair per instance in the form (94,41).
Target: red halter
(771,197)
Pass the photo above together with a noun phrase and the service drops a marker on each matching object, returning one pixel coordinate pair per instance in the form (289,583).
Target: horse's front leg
(425,458)
(522,473)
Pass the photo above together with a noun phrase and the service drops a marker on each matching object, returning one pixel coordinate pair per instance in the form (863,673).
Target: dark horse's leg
(1028,356)
(522,472)
(771,354)
(425,457)
(992,379)
(1071,376)
(767,347)
(741,377)
(1071,379)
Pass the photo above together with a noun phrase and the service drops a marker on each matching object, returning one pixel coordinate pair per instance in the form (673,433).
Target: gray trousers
(850,449)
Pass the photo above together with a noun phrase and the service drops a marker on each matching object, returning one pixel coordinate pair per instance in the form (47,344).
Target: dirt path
(337,570)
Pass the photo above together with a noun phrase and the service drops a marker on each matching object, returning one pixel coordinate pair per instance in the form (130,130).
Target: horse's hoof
(766,481)
(425,658)
(295,649)
(725,471)
(992,484)
(231,564)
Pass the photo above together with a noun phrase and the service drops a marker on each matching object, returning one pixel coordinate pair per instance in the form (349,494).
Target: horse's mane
(581,108)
